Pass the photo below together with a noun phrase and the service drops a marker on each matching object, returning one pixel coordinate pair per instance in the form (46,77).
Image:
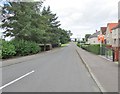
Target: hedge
(94,48)
(23,47)
(78,44)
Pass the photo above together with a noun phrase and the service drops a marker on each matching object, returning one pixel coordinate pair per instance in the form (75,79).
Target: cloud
(84,16)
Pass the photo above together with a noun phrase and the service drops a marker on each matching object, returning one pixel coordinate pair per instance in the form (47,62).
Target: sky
(84,16)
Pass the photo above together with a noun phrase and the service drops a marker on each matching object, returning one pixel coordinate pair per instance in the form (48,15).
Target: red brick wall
(116,53)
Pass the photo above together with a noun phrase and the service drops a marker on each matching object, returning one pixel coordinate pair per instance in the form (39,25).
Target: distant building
(93,39)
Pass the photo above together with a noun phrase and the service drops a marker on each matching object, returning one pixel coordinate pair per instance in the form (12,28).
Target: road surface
(59,70)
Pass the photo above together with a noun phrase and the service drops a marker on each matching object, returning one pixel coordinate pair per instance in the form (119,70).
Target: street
(58,70)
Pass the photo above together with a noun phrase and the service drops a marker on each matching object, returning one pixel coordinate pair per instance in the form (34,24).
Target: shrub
(8,49)
(94,48)
(78,44)
(23,47)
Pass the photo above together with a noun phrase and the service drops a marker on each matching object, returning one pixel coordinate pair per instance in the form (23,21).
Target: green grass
(76,42)
(64,45)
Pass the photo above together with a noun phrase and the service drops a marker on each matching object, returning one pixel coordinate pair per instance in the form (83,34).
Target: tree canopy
(30,23)
(87,36)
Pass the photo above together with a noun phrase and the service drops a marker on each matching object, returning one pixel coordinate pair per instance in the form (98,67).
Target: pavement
(105,71)
(59,70)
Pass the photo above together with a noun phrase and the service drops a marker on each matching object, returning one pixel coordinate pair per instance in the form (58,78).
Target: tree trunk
(44,47)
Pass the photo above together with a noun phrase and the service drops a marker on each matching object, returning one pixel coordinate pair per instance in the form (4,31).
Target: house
(108,35)
(116,41)
(93,39)
(103,30)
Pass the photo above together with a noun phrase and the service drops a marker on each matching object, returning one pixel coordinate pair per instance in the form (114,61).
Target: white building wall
(93,40)
(116,37)
(108,37)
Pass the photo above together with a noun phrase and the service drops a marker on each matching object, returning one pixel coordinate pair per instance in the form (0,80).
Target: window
(114,41)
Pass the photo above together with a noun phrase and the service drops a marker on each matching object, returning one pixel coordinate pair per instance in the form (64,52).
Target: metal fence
(109,53)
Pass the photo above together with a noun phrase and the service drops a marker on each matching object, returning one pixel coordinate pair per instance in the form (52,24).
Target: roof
(95,34)
(118,25)
(111,26)
(103,30)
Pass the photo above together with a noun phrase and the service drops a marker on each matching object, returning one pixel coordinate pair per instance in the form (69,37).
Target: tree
(23,25)
(30,23)
(64,36)
(53,24)
(87,36)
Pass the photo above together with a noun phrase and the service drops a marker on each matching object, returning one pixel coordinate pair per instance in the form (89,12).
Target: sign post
(101,39)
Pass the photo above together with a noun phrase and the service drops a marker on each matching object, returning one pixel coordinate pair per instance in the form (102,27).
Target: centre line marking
(16,80)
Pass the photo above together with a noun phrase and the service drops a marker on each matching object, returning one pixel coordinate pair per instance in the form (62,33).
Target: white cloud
(84,16)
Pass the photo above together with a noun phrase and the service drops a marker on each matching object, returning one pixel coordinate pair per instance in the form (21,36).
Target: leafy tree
(30,23)
(53,24)
(87,36)
(23,25)
(64,36)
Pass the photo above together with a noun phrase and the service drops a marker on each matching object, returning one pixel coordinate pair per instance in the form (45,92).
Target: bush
(94,48)
(78,44)
(23,47)
(8,49)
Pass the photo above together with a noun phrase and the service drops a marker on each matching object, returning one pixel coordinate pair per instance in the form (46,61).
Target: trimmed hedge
(78,44)
(94,48)
(8,50)
(23,47)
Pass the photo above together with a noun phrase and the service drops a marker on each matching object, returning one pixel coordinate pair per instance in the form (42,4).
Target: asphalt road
(59,70)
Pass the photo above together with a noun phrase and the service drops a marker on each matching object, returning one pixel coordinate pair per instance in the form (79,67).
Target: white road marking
(16,80)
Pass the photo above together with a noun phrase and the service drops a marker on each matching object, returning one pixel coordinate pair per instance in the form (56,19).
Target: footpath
(104,71)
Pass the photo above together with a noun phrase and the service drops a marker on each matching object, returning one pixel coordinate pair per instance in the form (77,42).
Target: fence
(109,53)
